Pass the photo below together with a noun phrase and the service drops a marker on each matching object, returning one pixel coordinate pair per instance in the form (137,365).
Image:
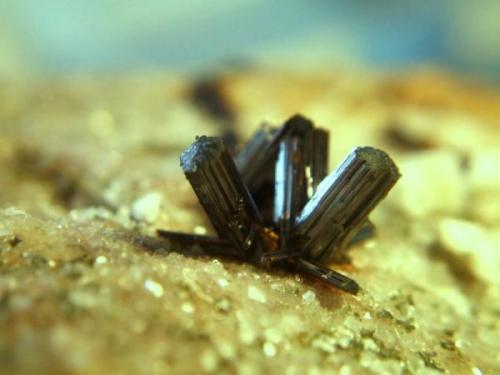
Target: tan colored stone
(86,289)
(432,182)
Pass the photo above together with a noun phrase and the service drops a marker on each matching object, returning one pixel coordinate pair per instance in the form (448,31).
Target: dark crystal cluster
(275,204)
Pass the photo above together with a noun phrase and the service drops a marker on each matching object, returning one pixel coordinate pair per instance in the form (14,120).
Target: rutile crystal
(309,220)
(340,207)
(211,171)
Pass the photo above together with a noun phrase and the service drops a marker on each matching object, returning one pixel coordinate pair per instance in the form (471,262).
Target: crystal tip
(202,150)
(378,160)
(298,123)
(351,286)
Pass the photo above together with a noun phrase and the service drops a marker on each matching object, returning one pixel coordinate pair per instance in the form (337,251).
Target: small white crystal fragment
(101,259)
(256,294)
(223,283)
(154,288)
(309,297)
(187,308)
(147,207)
(200,230)
(269,349)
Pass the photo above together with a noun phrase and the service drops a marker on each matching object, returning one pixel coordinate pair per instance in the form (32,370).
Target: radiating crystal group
(313,219)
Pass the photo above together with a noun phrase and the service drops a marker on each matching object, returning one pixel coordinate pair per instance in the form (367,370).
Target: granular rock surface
(89,170)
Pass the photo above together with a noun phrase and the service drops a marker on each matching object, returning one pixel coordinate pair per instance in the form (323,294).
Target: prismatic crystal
(275,205)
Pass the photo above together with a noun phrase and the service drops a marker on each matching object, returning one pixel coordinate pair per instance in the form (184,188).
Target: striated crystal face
(339,209)
(211,171)
(314,218)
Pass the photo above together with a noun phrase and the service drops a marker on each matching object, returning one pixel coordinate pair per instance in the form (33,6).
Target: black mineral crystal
(275,205)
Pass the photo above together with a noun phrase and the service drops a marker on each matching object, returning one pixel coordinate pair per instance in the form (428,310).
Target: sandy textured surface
(89,169)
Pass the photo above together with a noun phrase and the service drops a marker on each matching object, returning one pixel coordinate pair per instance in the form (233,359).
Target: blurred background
(102,35)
